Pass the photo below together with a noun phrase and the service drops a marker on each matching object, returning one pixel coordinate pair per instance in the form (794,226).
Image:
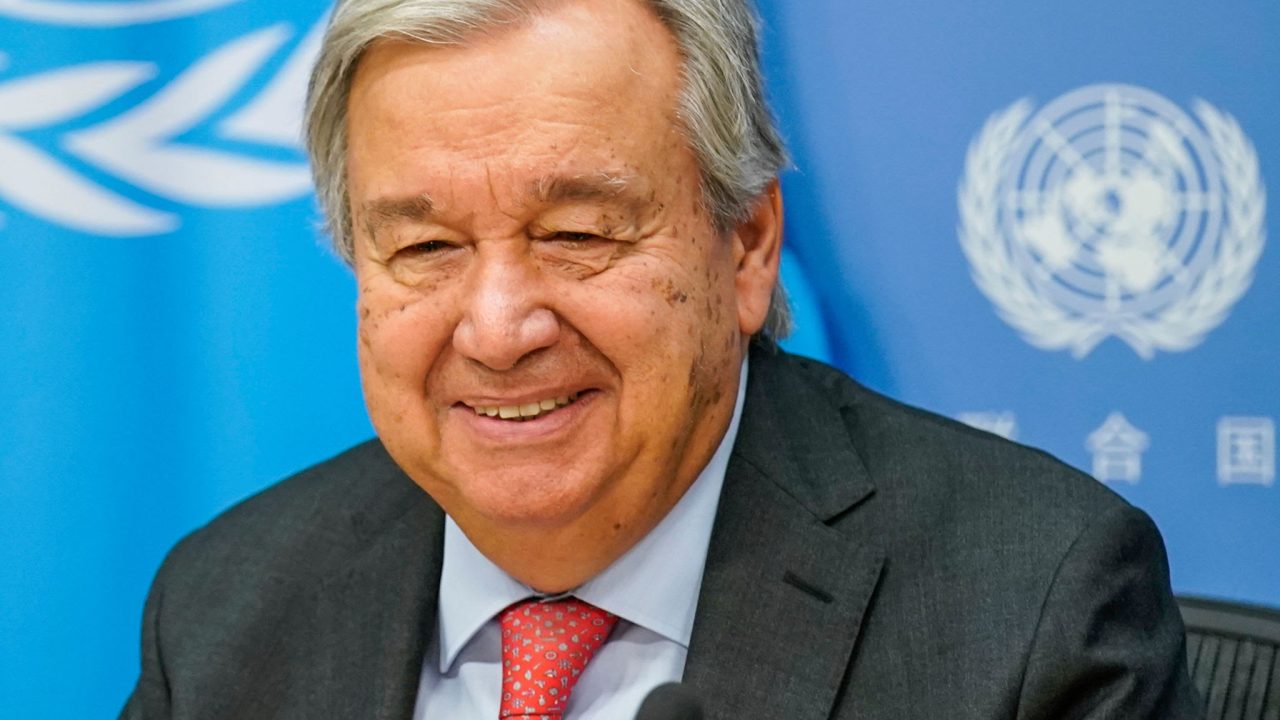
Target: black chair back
(1233,652)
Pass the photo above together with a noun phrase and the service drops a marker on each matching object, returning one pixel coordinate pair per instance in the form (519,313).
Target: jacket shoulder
(925,465)
(1032,579)
(298,528)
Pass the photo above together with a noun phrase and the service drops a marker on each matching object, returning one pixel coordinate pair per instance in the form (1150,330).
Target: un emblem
(1112,212)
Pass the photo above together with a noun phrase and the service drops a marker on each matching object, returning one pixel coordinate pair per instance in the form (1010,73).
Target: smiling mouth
(527,411)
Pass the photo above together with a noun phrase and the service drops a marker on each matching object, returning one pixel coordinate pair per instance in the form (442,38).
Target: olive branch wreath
(1178,326)
(141,147)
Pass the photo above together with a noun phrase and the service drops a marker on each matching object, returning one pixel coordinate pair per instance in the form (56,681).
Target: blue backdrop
(1048,220)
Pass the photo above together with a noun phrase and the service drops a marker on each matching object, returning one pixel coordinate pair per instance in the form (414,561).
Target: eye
(578,254)
(425,248)
(576,238)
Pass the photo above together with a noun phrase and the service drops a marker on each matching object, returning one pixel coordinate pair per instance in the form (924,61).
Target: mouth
(525,411)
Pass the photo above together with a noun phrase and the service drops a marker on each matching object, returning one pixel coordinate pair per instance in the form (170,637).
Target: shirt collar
(655,584)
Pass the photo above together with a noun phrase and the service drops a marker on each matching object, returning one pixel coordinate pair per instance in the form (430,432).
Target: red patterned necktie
(545,647)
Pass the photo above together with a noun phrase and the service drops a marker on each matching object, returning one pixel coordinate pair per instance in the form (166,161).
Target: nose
(506,317)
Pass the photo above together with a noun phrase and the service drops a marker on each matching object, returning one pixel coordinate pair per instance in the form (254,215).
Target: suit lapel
(377,615)
(351,642)
(783,595)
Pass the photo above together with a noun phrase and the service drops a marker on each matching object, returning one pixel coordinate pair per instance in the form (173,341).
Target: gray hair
(722,103)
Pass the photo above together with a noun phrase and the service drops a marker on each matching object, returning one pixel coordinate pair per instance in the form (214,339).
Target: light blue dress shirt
(653,589)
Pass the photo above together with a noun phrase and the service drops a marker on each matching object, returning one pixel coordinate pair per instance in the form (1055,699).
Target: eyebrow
(386,210)
(602,186)
(626,191)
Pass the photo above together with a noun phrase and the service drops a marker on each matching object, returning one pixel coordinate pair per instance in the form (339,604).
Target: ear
(757,249)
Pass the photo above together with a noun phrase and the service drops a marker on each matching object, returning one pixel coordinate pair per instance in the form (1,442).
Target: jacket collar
(783,595)
(350,640)
(381,612)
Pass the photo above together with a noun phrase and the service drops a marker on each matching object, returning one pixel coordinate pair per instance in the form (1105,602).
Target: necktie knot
(545,647)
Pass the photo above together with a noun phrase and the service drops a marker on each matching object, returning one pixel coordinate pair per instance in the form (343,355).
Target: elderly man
(594,473)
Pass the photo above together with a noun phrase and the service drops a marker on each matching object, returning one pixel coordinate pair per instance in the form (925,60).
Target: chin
(532,499)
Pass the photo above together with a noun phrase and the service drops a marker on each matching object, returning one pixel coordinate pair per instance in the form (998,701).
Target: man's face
(529,240)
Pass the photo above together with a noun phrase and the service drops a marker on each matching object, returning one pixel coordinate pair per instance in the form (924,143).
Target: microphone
(672,701)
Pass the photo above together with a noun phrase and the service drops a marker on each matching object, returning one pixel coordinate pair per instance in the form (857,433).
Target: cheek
(629,312)
(398,348)
(399,339)
(655,317)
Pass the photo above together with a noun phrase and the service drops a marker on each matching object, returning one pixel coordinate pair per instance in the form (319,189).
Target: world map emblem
(1112,212)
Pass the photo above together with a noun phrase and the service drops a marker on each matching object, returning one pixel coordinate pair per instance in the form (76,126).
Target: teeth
(528,410)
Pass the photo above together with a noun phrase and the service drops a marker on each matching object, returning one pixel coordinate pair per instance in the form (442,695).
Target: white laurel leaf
(59,95)
(1039,321)
(1185,323)
(202,177)
(137,145)
(193,95)
(39,185)
(106,14)
(275,115)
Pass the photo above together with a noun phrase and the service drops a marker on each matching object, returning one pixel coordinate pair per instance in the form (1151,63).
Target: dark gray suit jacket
(868,560)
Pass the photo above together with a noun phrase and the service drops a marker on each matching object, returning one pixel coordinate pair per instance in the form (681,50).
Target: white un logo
(1111,212)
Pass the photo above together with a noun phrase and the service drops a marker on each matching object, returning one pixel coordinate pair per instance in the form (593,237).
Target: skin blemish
(673,294)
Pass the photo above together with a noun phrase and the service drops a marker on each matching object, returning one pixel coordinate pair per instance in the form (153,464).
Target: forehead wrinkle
(515,208)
